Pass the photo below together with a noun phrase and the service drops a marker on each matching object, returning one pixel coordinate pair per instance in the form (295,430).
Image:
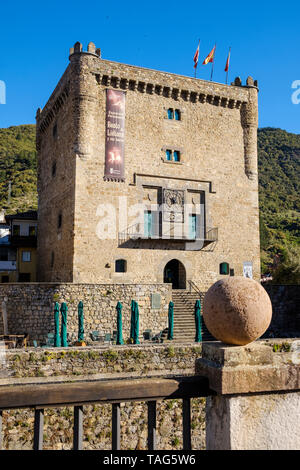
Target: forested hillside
(18,166)
(278,162)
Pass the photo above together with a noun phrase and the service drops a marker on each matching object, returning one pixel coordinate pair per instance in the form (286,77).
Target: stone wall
(286,315)
(61,364)
(55,364)
(30,307)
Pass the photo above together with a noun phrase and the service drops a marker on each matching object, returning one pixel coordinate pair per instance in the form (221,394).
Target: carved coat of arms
(173,205)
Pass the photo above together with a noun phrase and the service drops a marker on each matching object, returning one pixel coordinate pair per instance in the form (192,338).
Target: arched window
(224,268)
(121,266)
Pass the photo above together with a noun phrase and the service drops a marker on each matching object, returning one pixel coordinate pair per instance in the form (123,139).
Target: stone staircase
(184,317)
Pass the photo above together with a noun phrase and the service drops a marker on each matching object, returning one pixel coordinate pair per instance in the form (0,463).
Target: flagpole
(228,67)
(212,68)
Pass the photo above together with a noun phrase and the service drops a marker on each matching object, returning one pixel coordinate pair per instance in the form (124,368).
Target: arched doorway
(174,273)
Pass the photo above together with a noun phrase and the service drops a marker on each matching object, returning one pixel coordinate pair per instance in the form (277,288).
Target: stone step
(187,328)
(184,317)
(190,308)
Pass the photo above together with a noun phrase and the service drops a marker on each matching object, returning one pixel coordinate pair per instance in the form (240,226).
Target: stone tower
(187,151)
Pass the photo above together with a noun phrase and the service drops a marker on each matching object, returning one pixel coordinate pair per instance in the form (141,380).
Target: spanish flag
(210,57)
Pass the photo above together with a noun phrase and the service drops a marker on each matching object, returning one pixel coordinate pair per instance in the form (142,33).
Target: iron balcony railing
(78,394)
(159,232)
(23,240)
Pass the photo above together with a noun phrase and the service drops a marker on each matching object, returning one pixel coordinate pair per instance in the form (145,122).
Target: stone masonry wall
(30,307)
(58,364)
(286,315)
(61,364)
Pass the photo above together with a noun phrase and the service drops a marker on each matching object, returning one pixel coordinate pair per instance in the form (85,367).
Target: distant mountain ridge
(279,185)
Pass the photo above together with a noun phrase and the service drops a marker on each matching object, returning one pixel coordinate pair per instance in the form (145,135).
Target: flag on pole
(210,57)
(196,56)
(227,62)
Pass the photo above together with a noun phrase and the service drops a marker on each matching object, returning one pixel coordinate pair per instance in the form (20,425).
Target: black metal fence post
(116,427)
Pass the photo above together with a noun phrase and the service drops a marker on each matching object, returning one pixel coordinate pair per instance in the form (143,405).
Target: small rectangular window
(32,231)
(120,266)
(176,156)
(170,113)
(169,155)
(26,256)
(53,169)
(59,221)
(54,131)
(177,115)
(224,268)
(16,230)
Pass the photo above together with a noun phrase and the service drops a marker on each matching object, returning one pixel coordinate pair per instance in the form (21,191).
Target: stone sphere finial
(237,310)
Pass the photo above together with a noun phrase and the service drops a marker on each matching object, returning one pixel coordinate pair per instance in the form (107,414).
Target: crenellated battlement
(91,49)
(147,81)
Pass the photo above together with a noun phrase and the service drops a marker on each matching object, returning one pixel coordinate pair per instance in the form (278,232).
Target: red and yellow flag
(227,62)
(210,57)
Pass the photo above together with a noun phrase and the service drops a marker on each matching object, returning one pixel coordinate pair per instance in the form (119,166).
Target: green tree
(287,270)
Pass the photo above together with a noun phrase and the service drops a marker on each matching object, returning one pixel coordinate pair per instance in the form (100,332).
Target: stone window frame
(172,149)
(173,119)
(204,187)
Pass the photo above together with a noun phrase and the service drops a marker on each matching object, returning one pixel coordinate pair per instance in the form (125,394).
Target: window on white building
(26,256)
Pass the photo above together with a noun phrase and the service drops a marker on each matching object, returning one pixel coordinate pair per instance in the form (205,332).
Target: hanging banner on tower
(115,136)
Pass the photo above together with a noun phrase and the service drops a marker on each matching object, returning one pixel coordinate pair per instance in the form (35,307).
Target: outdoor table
(14,339)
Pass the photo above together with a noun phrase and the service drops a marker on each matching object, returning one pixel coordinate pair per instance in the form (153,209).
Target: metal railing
(194,287)
(78,394)
(158,231)
(23,240)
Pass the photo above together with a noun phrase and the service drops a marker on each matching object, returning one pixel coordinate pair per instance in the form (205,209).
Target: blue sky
(35,38)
